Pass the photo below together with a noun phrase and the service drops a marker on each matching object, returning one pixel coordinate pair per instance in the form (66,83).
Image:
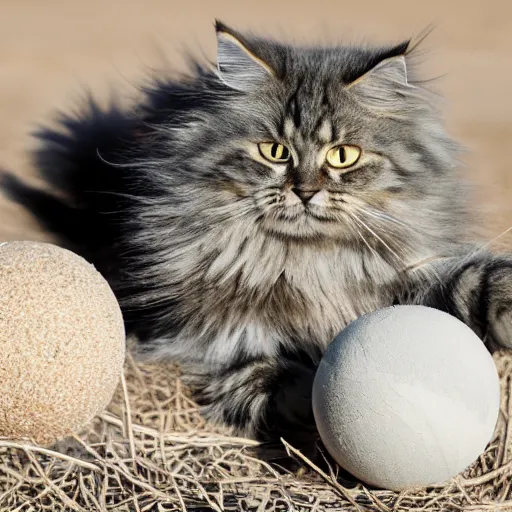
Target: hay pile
(151,451)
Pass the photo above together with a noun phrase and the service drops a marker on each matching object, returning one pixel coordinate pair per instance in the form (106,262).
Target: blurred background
(53,50)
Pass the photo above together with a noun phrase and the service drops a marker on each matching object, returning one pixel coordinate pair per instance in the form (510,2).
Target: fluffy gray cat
(246,214)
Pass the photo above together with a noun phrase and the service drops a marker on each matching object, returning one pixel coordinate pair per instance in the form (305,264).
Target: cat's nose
(304,194)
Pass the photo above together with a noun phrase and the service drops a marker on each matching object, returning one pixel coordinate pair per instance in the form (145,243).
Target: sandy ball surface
(62,341)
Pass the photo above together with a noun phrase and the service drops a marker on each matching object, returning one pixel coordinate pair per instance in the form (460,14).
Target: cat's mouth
(321,214)
(287,214)
(303,222)
(312,212)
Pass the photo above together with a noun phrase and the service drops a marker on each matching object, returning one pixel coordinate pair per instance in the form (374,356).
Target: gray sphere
(406,396)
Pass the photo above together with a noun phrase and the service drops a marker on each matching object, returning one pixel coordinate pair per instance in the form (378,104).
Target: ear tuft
(385,83)
(237,65)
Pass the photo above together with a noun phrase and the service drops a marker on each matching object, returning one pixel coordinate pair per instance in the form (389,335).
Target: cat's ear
(237,65)
(385,84)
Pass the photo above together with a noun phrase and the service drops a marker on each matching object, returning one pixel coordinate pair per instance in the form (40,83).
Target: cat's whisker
(422,265)
(363,206)
(260,198)
(365,225)
(384,216)
(260,190)
(266,197)
(425,266)
(353,225)
(374,252)
(394,234)
(378,214)
(484,246)
(133,197)
(266,193)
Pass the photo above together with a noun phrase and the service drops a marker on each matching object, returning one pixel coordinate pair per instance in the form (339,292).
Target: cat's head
(312,144)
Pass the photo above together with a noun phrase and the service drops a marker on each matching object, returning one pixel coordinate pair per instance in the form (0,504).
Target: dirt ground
(50,51)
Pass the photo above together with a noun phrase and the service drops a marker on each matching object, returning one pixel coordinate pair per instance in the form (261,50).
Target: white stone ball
(406,396)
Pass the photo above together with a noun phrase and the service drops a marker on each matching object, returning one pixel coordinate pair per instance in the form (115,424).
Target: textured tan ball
(62,342)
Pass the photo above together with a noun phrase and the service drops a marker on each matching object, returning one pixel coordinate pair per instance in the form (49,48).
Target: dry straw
(152,451)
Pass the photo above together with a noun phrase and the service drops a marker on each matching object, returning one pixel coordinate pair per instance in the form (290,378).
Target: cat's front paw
(499,306)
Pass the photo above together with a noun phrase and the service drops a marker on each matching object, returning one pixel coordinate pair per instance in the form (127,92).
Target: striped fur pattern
(244,270)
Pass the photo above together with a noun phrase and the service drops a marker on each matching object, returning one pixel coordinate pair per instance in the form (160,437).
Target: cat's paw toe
(500,327)
(499,314)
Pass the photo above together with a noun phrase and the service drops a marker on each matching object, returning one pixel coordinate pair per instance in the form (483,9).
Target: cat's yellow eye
(343,156)
(274,152)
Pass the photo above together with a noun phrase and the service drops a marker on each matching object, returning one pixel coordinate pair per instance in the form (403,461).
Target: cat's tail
(74,160)
(54,214)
